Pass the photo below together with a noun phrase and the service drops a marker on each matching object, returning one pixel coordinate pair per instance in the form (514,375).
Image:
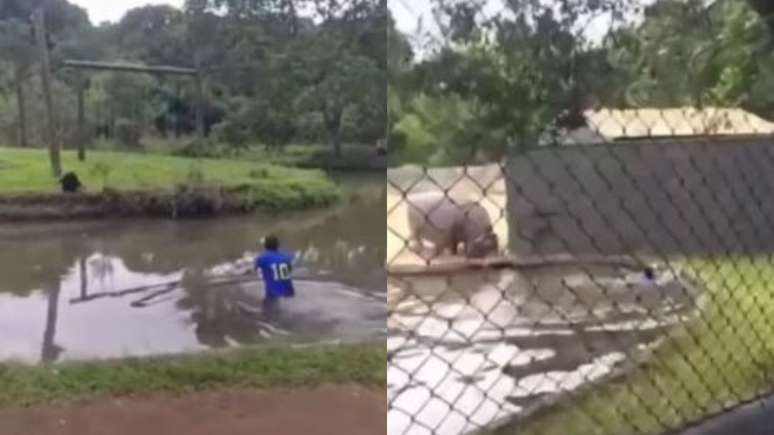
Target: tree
(524,70)
(765,9)
(693,54)
(312,56)
(17,42)
(335,81)
(342,64)
(155,35)
(16,46)
(295,69)
(61,16)
(124,102)
(399,62)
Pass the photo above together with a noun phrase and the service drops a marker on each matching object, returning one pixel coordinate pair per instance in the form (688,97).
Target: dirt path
(330,410)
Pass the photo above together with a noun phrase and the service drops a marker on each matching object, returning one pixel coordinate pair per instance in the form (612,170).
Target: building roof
(675,122)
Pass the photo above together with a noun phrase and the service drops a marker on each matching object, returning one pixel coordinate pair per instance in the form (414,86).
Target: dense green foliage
(503,82)
(276,72)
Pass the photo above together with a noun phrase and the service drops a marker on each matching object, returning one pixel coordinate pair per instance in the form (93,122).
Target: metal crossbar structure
(195,74)
(124,67)
(631,291)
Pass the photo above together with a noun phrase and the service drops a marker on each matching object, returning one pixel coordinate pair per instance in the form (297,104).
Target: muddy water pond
(108,289)
(470,349)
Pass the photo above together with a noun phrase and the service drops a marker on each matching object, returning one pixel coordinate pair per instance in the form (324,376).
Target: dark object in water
(70,183)
(650,273)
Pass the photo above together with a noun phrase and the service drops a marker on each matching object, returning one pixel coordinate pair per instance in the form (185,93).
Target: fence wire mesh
(630,290)
(611,275)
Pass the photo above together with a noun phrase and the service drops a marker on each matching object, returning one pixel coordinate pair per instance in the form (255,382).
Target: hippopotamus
(447,223)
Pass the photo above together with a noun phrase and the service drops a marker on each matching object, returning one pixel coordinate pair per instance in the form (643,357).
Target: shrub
(102,171)
(262,173)
(191,201)
(204,148)
(128,133)
(232,133)
(195,175)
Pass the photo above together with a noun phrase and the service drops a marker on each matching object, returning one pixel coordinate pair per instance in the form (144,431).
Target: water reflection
(106,289)
(50,350)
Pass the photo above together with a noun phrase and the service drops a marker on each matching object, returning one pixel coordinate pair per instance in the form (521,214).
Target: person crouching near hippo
(446,223)
(276,268)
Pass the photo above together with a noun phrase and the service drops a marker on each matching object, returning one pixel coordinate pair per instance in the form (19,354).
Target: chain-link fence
(630,290)
(612,275)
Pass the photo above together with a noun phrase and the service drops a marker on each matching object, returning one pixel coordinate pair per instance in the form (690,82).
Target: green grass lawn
(353,156)
(22,385)
(266,185)
(321,156)
(29,170)
(723,358)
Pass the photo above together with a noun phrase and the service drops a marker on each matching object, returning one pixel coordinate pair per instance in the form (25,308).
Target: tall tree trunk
(45,74)
(21,108)
(333,123)
(336,141)
(199,79)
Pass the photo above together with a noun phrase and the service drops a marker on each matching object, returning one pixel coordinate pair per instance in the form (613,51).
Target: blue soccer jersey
(276,268)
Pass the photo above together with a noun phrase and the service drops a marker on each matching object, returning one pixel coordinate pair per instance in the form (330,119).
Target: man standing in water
(276,268)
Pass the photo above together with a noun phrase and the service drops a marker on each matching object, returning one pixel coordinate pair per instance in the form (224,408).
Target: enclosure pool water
(142,287)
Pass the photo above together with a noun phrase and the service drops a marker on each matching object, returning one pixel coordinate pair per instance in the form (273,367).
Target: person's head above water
(271,243)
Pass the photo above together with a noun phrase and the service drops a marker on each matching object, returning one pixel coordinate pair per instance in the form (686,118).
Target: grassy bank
(283,367)
(26,171)
(723,358)
(353,157)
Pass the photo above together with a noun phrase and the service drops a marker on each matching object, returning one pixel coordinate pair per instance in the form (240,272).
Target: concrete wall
(669,197)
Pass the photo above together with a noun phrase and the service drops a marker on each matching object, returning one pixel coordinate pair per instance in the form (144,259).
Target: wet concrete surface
(131,288)
(466,350)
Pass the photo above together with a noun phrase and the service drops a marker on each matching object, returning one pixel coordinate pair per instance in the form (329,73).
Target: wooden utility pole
(20,102)
(199,98)
(81,119)
(45,74)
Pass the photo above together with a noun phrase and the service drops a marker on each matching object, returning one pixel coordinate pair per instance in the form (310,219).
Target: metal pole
(45,66)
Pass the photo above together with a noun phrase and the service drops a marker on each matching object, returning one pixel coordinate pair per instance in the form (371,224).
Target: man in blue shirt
(276,268)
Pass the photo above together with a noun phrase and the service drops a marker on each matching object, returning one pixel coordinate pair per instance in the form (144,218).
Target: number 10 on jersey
(281,271)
